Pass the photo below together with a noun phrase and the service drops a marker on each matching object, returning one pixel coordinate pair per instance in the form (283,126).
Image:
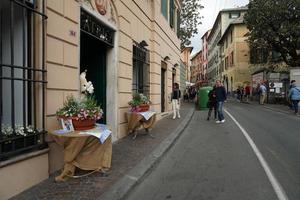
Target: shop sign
(257,79)
(92,26)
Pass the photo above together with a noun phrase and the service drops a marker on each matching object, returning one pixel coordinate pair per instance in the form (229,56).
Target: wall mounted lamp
(143,43)
(167,58)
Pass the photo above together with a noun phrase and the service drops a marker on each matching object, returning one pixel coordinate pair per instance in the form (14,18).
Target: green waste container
(203,97)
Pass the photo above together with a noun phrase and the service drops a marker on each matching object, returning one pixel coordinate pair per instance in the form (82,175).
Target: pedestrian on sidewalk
(212,103)
(263,93)
(294,95)
(247,92)
(293,82)
(176,100)
(238,92)
(220,99)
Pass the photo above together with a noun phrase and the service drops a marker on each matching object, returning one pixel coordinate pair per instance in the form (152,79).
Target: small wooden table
(83,151)
(138,119)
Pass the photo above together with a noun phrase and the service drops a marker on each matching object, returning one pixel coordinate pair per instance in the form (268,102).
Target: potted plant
(83,112)
(139,103)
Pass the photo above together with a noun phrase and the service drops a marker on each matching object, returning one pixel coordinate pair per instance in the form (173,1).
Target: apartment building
(126,46)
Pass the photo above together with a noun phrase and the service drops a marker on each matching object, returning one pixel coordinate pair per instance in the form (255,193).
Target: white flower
(90,87)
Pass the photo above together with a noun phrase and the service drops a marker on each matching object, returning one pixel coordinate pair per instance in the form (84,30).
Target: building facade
(185,57)
(125,46)
(224,18)
(204,40)
(235,56)
(196,67)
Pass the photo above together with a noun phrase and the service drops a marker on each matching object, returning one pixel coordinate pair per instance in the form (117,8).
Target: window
(164,8)
(226,43)
(231,32)
(22,78)
(234,15)
(258,55)
(140,73)
(226,63)
(178,21)
(232,59)
(172,15)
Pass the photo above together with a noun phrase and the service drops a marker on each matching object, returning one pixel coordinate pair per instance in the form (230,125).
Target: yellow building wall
(62,55)
(137,20)
(142,20)
(239,72)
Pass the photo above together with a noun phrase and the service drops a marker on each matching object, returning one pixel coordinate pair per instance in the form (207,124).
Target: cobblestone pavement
(127,153)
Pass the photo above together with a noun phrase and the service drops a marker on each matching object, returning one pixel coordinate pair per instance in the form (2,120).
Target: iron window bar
(141,63)
(16,144)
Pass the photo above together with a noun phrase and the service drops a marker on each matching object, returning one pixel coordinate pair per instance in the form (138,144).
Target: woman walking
(176,100)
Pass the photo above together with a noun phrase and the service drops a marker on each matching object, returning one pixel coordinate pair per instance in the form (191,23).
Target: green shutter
(164,8)
(178,22)
(171,13)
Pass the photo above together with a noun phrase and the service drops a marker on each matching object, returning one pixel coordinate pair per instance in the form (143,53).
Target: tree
(275,25)
(189,20)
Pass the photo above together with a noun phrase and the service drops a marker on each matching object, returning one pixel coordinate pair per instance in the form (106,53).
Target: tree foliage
(275,25)
(189,20)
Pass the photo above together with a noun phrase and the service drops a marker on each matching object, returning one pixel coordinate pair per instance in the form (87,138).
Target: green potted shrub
(139,103)
(83,112)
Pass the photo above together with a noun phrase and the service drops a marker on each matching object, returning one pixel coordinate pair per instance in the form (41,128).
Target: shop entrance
(95,40)
(93,59)
(163,86)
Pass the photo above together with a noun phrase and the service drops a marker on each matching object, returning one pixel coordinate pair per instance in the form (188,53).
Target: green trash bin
(203,97)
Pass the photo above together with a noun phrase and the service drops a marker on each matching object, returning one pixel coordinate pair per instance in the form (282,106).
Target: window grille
(22,76)
(141,70)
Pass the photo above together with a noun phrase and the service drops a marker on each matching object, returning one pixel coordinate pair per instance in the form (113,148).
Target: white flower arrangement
(86,86)
(20,130)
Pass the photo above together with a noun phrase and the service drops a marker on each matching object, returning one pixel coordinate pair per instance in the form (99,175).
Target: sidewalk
(131,160)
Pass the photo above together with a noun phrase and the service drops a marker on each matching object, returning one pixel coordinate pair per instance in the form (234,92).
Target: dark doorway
(93,59)
(173,77)
(162,84)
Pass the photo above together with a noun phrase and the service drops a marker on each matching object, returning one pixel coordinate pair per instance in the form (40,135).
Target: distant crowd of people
(190,94)
(218,95)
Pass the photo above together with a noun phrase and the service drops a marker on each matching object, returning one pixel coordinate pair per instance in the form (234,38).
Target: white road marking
(274,182)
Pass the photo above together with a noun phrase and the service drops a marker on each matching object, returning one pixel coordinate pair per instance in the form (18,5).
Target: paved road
(215,162)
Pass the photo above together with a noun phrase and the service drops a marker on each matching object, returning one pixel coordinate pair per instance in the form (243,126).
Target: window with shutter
(171,6)
(164,8)
(178,22)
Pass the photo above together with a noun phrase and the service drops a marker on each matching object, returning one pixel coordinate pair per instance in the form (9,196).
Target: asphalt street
(215,161)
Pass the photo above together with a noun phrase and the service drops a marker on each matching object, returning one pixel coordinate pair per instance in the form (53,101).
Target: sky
(210,12)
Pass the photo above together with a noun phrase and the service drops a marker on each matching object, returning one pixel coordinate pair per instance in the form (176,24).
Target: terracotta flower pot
(83,124)
(144,107)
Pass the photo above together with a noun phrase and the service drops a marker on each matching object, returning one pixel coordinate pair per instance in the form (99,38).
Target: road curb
(119,190)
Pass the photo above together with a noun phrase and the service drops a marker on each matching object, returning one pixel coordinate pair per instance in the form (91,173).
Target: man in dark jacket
(212,104)
(220,98)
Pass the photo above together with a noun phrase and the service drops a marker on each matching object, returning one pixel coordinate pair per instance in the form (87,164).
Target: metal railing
(22,77)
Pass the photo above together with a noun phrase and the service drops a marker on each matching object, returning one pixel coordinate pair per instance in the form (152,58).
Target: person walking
(212,103)
(294,95)
(293,82)
(247,92)
(220,99)
(238,93)
(263,93)
(176,100)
